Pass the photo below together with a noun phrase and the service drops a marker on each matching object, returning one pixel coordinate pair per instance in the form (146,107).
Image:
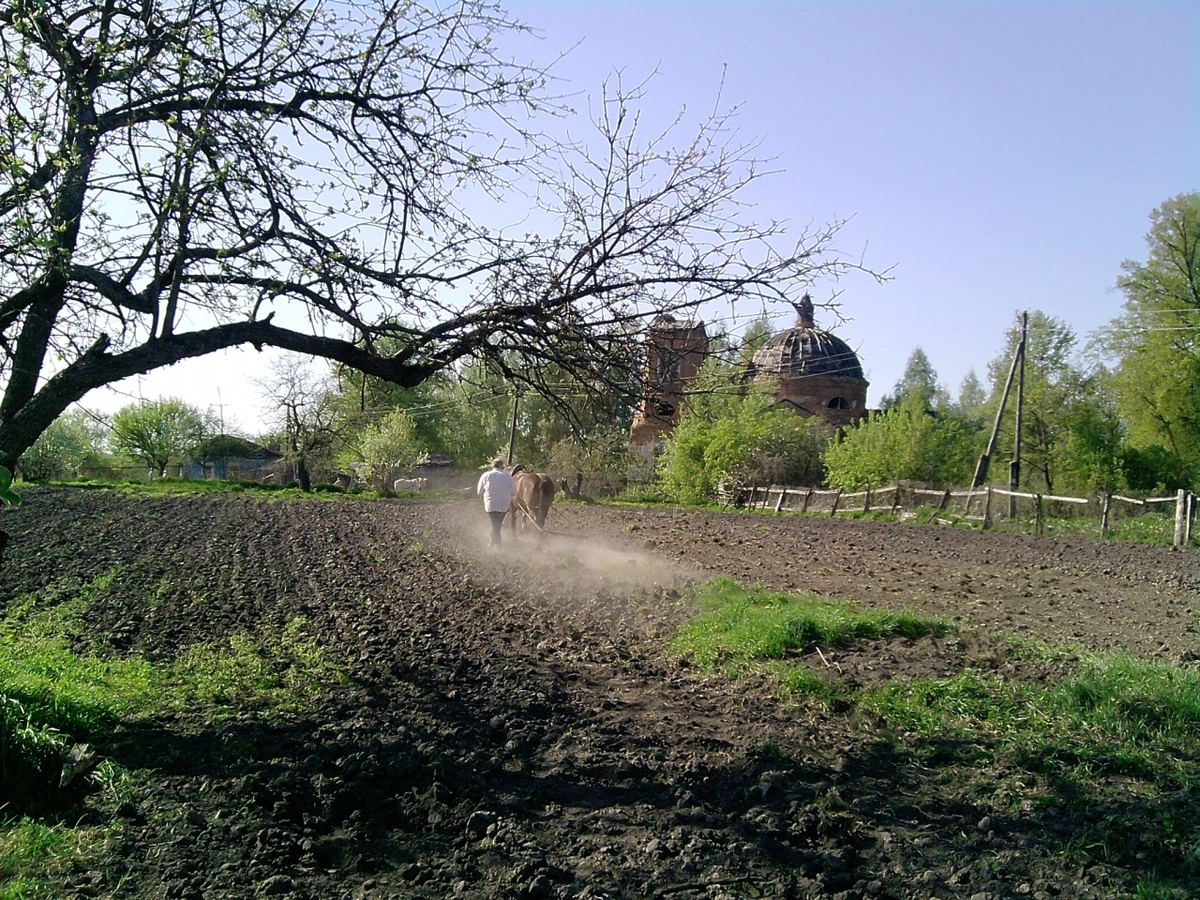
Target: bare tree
(184,176)
(304,413)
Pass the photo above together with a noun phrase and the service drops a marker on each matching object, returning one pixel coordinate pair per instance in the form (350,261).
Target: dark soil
(516,727)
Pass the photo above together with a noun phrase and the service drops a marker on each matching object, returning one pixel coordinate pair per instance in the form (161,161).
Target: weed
(32,852)
(284,675)
(768,751)
(742,627)
(1152,889)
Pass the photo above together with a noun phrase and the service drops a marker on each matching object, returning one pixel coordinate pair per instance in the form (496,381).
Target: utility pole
(512,431)
(1014,467)
(981,470)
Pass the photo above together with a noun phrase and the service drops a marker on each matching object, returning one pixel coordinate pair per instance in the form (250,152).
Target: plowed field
(515,726)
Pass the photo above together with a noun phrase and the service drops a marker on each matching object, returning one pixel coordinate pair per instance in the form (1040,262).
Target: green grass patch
(1134,703)
(184,487)
(1116,741)
(31,851)
(285,675)
(1116,715)
(1151,528)
(969,705)
(740,627)
(52,697)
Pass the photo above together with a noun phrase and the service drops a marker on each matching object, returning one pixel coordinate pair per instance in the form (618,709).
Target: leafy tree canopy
(904,443)
(158,432)
(74,439)
(971,396)
(383,449)
(730,434)
(919,382)
(1156,345)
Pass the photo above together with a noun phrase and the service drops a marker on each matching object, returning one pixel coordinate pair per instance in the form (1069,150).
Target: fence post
(753,496)
(837,498)
(945,504)
(1180,516)
(1104,513)
(896,499)
(1191,514)
(1037,520)
(804,505)
(987,509)
(779,502)
(867,501)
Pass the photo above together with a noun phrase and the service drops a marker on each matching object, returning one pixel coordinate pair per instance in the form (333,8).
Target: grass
(739,628)
(284,676)
(31,850)
(1116,741)
(1153,527)
(1113,710)
(52,697)
(175,487)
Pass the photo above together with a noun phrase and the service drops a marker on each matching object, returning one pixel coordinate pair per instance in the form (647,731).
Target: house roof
(229,446)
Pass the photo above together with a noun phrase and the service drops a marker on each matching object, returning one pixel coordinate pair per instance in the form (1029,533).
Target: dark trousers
(497,527)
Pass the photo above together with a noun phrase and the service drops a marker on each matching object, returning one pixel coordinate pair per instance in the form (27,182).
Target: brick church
(814,373)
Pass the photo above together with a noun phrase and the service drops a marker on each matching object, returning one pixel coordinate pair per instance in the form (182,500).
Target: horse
(535,493)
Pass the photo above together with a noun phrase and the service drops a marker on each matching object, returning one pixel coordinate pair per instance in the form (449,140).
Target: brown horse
(535,493)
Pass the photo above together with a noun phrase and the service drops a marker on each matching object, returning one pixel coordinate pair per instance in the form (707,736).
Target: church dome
(806,350)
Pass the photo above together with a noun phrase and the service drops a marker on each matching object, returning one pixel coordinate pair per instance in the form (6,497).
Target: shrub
(907,443)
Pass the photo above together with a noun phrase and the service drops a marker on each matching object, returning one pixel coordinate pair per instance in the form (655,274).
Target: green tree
(754,336)
(1095,456)
(971,399)
(181,178)
(382,449)
(158,432)
(603,451)
(1155,344)
(919,382)
(1068,421)
(73,440)
(905,443)
(361,400)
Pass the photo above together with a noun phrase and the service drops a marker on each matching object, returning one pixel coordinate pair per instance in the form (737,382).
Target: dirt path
(516,729)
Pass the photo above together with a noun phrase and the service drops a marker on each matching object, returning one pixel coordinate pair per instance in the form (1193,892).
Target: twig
(838,665)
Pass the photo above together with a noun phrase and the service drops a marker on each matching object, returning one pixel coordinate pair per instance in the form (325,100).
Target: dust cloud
(571,571)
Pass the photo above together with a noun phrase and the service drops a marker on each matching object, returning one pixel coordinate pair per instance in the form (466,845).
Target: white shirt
(498,489)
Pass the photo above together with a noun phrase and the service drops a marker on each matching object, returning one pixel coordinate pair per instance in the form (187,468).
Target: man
(498,489)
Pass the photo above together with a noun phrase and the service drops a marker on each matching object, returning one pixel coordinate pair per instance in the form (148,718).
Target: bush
(907,443)
(71,442)
(740,438)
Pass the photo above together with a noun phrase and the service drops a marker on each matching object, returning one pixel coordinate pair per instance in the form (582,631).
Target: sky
(991,157)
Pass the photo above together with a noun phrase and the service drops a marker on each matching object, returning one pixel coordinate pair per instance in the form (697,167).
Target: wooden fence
(980,505)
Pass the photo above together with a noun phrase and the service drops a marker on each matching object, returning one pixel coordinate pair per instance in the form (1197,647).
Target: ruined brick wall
(838,399)
(674,353)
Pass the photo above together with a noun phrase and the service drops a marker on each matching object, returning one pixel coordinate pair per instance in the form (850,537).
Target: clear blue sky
(999,155)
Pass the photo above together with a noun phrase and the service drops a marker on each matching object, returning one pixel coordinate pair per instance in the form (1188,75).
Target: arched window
(839,402)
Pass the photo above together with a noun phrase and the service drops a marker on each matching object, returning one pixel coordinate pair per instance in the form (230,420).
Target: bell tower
(674,353)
